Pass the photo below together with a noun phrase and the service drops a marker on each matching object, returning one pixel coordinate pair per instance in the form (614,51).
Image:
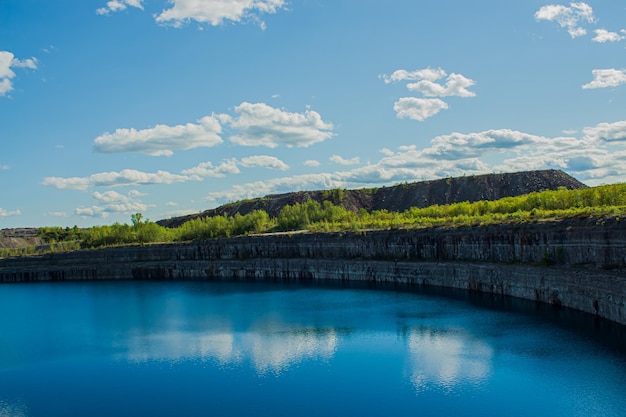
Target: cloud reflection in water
(274,349)
(445,359)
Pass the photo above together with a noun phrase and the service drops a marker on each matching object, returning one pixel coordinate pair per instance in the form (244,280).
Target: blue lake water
(260,349)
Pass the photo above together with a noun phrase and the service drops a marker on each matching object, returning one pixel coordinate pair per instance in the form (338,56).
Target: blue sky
(171,107)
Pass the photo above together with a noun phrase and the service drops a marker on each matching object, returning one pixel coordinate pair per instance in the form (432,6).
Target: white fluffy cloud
(7,63)
(569,17)
(606,132)
(131,177)
(118,5)
(72,183)
(426,83)
(603,35)
(263,125)
(418,108)
(603,78)
(6,213)
(231,166)
(264,161)
(162,139)
(207,169)
(253,125)
(456,85)
(342,161)
(112,202)
(429,74)
(312,163)
(109,197)
(216,12)
(124,178)
(459,145)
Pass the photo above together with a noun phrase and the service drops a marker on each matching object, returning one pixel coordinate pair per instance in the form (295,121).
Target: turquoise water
(258,349)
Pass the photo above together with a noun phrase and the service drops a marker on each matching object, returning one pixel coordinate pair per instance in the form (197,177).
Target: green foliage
(335,195)
(136,219)
(59,234)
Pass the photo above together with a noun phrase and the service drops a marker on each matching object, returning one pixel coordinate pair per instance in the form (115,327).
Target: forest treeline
(316,217)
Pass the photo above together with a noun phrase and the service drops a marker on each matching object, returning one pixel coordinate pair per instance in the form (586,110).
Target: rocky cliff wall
(578,263)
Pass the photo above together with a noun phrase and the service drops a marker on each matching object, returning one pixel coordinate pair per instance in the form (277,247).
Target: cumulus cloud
(109,197)
(426,83)
(131,177)
(456,85)
(7,63)
(6,213)
(603,35)
(568,17)
(207,169)
(216,12)
(603,78)
(112,202)
(73,183)
(264,161)
(429,74)
(418,108)
(342,161)
(124,178)
(162,139)
(312,163)
(262,125)
(4,167)
(118,5)
(607,132)
(459,145)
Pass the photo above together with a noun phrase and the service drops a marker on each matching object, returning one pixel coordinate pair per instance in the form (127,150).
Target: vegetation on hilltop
(313,216)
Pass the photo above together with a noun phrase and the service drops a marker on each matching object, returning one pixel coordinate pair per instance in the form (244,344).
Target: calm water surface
(251,349)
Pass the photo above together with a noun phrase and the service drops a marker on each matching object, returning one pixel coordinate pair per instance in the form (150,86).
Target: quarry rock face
(578,263)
